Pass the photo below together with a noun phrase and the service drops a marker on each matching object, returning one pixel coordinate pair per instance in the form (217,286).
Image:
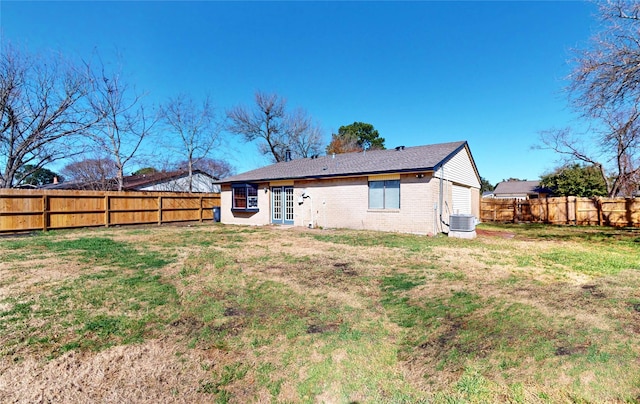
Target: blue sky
(491,73)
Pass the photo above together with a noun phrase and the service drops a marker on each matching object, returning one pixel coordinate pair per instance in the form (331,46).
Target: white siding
(461,199)
(460,170)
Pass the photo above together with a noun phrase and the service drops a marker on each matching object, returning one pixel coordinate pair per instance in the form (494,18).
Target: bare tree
(305,137)
(279,130)
(43,110)
(125,123)
(607,74)
(214,167)
(605,90)
(196,127)
(94,173)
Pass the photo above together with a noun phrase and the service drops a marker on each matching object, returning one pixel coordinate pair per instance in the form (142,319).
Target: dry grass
(232,314)
(148,372)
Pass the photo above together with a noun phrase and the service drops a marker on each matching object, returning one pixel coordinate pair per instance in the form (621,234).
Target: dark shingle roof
(517,187)
(133,182)
(421,158)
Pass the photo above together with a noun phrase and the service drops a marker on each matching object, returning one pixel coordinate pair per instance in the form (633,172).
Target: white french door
(282,205)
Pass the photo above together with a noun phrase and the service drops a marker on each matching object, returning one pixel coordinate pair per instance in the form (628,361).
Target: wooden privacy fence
(619,212)
(22,210)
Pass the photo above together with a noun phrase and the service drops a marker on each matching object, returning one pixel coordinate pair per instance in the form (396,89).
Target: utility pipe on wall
(301,200)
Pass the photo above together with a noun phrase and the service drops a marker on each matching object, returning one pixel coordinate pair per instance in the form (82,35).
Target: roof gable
(403,159)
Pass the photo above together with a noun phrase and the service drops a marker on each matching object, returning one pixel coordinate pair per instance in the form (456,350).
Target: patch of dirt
(186,326)
(593,290)
(322,328)
(345,268)
(493,233)
(445,337)
(571,350)
(232,312)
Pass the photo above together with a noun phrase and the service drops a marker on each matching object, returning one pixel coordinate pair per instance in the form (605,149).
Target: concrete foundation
(463,234)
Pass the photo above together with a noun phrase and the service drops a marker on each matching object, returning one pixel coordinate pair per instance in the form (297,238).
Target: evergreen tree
(575,180)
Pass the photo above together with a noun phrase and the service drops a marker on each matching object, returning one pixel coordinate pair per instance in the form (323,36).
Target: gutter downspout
(442,198)
(311,225)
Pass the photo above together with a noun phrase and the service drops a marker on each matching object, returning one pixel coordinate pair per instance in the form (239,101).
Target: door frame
(282,205)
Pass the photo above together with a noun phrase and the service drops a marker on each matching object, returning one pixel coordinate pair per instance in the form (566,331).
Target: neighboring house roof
(518,188)
(400,159)
(75,185)
(134,182)
(131,182)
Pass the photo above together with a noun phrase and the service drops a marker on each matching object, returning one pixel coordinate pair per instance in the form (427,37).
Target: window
(384,194)
(245,197)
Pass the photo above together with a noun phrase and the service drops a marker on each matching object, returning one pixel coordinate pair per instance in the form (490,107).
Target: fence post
(201,209)
(598,203)
(540,211)
(106,211)
(159,210)
(495,210)
(45,212)
(546,209)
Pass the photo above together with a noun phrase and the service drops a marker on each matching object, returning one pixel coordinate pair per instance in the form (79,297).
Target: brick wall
(344,203)
(262,217)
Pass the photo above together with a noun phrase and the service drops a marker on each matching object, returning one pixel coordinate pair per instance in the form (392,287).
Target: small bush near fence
(618,212)
(25,210)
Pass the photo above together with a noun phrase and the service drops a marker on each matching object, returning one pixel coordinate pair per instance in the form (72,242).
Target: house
(174,181)
(171,181)
(519,190)
(406,189)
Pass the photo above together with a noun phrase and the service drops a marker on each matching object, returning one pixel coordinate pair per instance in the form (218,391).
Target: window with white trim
(384,194)
(245,197)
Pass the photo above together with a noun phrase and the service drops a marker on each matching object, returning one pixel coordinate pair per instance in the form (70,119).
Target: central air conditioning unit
(463,223)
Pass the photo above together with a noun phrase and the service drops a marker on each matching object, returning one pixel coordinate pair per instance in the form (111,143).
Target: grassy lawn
(214,313)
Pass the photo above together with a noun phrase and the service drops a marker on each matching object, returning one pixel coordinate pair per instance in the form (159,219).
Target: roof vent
(462,223)
(287,155)
(399,148)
